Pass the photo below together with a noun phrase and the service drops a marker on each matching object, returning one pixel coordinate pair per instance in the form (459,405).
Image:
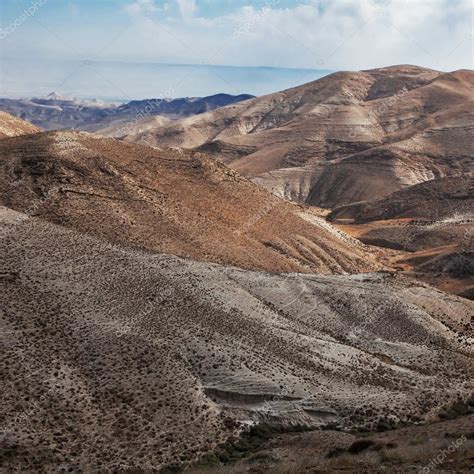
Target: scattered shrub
(335,452)
(360,445)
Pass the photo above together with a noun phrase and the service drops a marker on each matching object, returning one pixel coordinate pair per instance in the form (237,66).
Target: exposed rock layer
(348,137)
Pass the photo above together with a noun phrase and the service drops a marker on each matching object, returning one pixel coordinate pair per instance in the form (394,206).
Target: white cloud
(144,7)
(336,34)
(187,8)
(322,34)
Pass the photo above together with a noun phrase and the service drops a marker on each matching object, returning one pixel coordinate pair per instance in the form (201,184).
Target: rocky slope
(431,223)
(170,201)
(12,127)
(120,359)
(450,198)
(348,137)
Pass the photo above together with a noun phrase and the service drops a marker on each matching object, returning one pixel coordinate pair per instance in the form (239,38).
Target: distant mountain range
(56,112)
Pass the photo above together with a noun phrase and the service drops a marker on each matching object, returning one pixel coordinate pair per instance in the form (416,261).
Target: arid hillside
(182,203)
(450,198)
(443,446)
(389,151)
(431,224)
(12,127)
(121,359)
(348,137)
(167,307)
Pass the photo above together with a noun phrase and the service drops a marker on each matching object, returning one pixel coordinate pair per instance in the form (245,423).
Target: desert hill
(120,359)
(157,303)
(171,201)
(348,137)
(11,126)
(432,223)
(449,198)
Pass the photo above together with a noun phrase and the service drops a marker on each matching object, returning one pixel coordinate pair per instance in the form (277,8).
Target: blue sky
(309,34)
(335,34)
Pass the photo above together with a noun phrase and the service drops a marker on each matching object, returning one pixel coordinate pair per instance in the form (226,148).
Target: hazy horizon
(120,81)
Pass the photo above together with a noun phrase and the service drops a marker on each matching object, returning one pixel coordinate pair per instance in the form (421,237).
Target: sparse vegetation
(156,303)
(458,408)
(249,441)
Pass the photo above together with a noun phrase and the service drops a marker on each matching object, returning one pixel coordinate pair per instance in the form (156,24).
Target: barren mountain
(12,127)
(120,359)
(56,112)
(348,137)
(176,202)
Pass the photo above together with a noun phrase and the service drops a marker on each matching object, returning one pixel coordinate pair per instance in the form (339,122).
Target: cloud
(336,34)
(187,7)
(321,34)
(144,7)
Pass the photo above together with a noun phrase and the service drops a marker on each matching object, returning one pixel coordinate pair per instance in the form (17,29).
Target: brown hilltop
(11,126)
(347,137)
(168,201)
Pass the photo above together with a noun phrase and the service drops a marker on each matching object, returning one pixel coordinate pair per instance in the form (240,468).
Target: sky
(324,35)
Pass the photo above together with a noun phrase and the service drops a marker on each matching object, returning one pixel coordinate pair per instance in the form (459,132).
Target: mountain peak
(308,143)
(54,96)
